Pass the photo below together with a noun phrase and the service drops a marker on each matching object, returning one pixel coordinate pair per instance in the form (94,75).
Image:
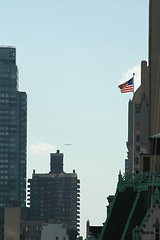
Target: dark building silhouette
(56,165)
(92,232)
(154,67)
(55,195)
(13,129)
(134,211)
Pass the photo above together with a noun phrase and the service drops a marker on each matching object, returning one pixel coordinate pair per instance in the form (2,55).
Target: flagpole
(133,127)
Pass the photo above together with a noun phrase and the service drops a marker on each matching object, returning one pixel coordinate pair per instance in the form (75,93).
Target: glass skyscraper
(13,131)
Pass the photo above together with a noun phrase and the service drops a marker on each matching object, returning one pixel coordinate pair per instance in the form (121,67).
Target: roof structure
(155,136)
(133,201)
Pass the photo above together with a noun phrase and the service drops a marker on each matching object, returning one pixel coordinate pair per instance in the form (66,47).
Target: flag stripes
(127,86)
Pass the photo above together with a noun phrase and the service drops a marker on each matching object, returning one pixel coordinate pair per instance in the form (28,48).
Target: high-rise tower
(13,130)
(154,66)
(55,195)
(144,108)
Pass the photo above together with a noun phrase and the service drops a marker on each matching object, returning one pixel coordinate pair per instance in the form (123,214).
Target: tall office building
(144,108)
(55,195)
(13,129)
(154,66)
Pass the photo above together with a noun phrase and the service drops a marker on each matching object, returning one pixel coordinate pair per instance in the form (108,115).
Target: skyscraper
(144,108)
(154,66)
(55,196)
(13,130)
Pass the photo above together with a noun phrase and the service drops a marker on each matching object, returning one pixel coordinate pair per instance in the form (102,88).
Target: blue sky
(71,56)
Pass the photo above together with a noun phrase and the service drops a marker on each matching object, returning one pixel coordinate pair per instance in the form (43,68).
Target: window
(157,234)
(157,231)
(137,148)
(137,138)
(137,126)
(34,228)
(146,164)
(39,228)
(138,108)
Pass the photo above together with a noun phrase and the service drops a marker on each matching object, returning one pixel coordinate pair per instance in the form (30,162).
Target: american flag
(127,86)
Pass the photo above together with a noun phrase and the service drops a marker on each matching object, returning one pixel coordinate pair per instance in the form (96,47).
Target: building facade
(144,108)
(12,227)
(138,121)
(154,66)
(30,229)
(52,231)
(134,210)
(55,195)
(13,130)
